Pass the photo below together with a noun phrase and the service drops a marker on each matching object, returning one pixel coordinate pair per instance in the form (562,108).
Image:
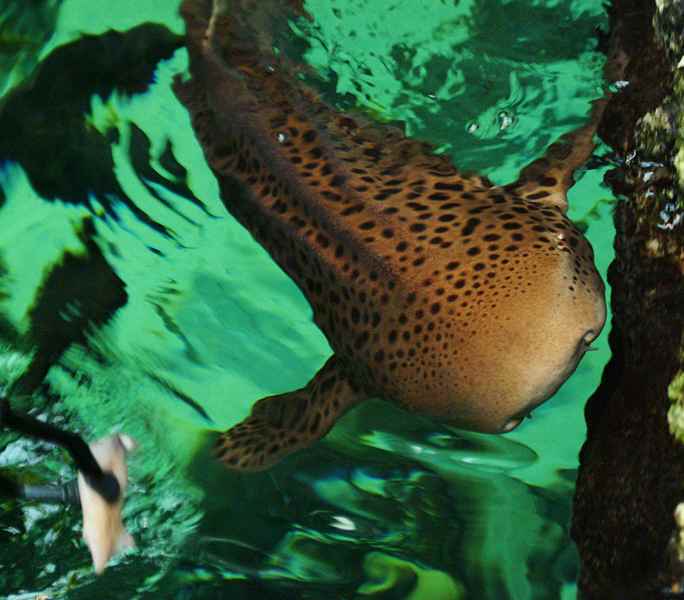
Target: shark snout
(576,325)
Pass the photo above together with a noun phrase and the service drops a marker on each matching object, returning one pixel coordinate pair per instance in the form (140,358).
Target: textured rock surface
(632,468)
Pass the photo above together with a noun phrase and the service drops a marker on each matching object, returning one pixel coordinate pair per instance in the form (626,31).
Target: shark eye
(584,344)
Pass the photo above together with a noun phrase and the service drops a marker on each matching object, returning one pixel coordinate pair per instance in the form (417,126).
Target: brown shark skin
(436,290)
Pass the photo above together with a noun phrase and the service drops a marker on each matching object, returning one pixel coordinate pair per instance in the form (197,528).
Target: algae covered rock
(632,464)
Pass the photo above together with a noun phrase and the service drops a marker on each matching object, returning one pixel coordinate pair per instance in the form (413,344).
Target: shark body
(439,291)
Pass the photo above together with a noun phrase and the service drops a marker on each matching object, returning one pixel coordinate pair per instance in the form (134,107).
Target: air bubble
(505,120)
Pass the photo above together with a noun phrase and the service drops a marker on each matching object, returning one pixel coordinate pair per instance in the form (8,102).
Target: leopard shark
(437,290)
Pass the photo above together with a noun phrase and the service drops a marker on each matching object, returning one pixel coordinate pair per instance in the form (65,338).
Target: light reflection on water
(191,321)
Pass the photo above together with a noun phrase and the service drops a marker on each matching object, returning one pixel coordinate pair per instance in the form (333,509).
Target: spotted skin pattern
(436,290)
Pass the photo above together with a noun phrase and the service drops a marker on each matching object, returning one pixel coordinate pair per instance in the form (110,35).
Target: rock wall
(632,465)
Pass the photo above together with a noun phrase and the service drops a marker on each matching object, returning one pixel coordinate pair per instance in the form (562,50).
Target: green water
(190,322)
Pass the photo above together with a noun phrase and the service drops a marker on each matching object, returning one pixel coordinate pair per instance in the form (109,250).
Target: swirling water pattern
(130,301)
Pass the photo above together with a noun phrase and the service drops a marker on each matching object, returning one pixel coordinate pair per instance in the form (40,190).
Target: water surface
(130,300)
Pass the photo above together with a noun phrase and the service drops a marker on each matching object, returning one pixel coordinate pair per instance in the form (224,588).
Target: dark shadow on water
(78,295)
(44,121)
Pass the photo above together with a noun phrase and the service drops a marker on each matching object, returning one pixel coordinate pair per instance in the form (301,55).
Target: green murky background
(95,200)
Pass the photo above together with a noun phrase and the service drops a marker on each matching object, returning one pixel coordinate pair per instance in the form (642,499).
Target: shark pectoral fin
(547,179)
(279,425)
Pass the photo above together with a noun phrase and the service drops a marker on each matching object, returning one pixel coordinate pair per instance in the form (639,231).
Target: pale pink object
(103,529)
